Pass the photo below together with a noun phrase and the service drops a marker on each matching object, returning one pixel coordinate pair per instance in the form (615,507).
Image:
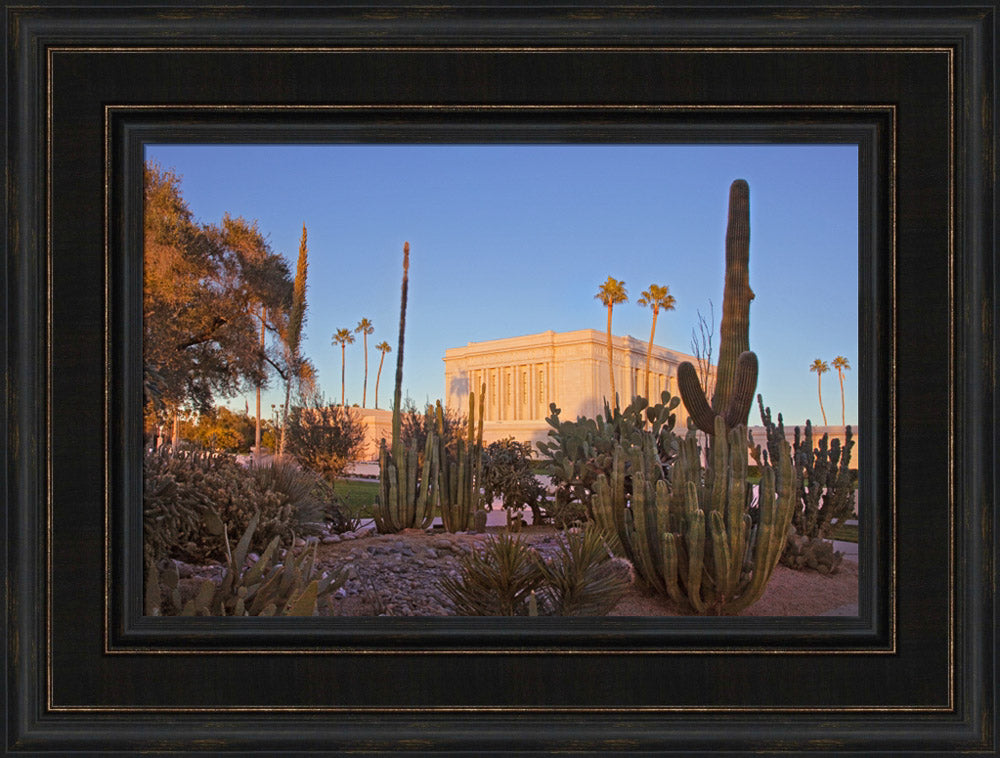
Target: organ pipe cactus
(702,539)
(461,475)
(405,498)
(736,376)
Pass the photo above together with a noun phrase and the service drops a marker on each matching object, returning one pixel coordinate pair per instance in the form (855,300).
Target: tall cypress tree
(293,336)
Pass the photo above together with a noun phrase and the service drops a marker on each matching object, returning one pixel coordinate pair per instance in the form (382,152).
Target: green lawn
(845,532)
(357,496)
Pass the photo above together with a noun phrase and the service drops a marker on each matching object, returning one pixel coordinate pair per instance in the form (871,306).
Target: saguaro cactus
(736,377)
(696,539)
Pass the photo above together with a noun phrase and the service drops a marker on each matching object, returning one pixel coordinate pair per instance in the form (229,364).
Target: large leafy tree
(199,336)
(267,283)
(383,347)
(342,337)
(841,364)
(820,367)
(658,298)
(364,328)
(611,293)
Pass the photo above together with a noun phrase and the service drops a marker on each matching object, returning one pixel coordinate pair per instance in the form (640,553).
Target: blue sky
(508,240)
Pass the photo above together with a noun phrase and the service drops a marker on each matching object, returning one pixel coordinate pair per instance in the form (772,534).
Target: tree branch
(204,336)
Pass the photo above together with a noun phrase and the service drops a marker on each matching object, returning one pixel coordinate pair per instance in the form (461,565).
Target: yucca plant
(496,580)
(583,578)
(507,577)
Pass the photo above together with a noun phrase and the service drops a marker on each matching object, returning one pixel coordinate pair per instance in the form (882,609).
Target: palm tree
(820,367)
(383,347)
(610,294)
(841,364)
(656,297)
(343,337)
(365,328)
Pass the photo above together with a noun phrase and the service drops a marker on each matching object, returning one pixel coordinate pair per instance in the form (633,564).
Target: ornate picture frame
(88,86)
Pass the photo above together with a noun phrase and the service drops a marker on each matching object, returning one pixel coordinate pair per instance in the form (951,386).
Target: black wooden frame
(915,87)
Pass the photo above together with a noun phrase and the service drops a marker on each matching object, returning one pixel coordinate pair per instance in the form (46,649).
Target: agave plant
(507,577)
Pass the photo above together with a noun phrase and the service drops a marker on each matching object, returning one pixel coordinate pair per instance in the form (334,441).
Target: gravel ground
(396,575)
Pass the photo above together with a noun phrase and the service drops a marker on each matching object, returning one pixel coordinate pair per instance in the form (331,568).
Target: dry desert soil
(391,572)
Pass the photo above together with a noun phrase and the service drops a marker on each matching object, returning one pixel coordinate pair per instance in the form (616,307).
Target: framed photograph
(396,107)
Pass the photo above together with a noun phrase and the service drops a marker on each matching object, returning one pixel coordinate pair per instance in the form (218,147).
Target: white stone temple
(524,374)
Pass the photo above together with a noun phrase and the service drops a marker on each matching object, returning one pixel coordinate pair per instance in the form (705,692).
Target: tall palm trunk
(378,377)
(364,387)
(840,375)
(649,351)
(611,362)
(343,360)
(819,389)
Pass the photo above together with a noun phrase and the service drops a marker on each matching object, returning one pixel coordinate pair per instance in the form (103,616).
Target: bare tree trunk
(284,418)
(256,436)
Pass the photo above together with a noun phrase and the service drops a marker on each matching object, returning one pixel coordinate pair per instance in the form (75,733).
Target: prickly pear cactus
(578,451)
(736,377)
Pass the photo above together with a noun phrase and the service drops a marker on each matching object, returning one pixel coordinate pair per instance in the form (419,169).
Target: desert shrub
(507,474)
(415,426)
(180,489)
(507,577)
(324,437)
(228,432)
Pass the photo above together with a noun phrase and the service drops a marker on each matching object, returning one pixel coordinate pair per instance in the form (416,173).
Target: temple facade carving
(523,375)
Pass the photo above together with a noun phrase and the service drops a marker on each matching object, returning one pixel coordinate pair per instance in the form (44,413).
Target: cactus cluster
(702,538)
(459,487)
(578,451)
(179,489)
(286,588)
(824,493)
(406,496)
(736,376)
